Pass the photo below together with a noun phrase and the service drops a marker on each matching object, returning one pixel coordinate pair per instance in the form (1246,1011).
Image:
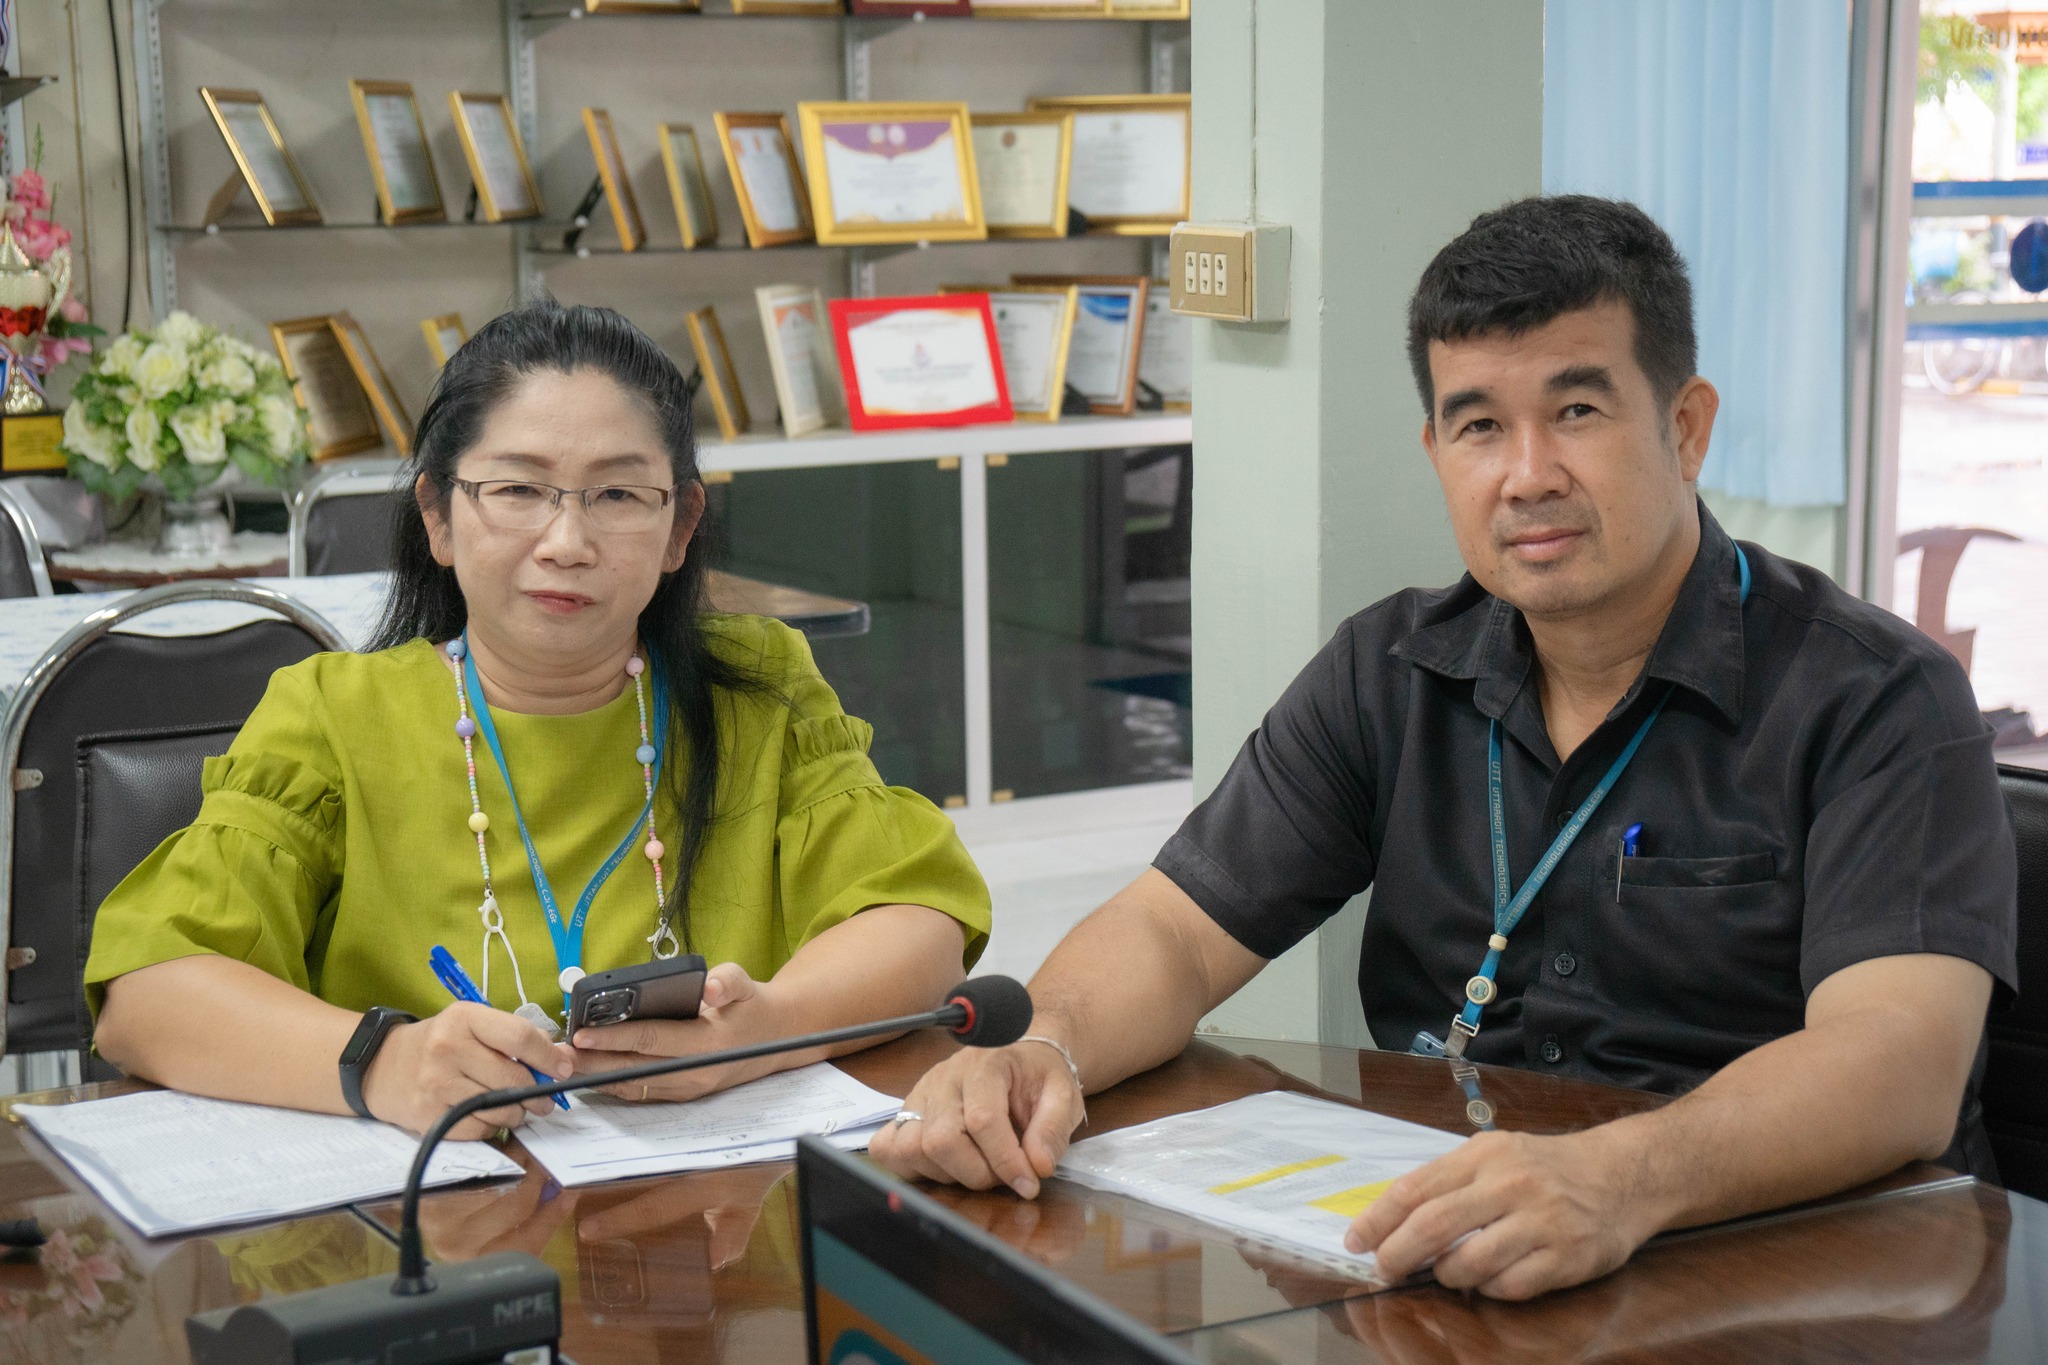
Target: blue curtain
(1728,121)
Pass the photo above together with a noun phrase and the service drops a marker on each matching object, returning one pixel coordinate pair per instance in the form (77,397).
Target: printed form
(602,1138)
(1280,1170)
(169,1162)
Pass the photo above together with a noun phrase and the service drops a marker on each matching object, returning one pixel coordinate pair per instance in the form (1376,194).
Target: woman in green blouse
(544,638)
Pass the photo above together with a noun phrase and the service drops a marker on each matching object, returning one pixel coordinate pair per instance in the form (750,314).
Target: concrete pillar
(1376,130)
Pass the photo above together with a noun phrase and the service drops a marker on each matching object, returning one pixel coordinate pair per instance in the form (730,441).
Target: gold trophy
(29,295)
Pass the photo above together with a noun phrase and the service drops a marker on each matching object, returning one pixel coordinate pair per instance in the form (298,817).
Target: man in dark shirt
(1636,804)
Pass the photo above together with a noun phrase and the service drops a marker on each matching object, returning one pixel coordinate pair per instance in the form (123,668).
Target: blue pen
(1628,850)
(462,988)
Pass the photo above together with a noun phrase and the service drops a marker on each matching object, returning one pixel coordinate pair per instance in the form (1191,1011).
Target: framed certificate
(787,7)
(688,190)
(1109,331)
(1033,325)
(1148,9)
(370,376)
(337,410)
(717,377)
(611,169)
(267,166)
(920,362)
(395,140)
(643,6)
(799,333)
(765,177)
(1040,9)
(445,335)
(505,188)
(891,173)
(1129,172)
(915,9)
(1166,356)
(1021,161)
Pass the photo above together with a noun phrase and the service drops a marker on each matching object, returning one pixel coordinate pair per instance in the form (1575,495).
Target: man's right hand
(989,1117)
(425,1068)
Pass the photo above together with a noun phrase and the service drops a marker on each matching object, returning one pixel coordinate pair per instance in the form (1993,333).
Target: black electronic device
(507,1307)
(886,1267)
(671,989)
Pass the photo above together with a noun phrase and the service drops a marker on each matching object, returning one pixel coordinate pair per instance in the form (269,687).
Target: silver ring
(904,1116)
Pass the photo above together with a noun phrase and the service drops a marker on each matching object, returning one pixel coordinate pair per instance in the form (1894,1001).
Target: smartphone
(652,990)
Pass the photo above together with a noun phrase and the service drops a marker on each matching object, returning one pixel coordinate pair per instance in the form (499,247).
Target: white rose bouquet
(180,403)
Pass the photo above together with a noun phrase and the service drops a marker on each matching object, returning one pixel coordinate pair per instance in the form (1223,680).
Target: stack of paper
(1279,1170)
(601,1138)
(169,1162)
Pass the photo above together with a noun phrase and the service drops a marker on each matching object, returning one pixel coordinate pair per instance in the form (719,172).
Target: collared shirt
(1818,791)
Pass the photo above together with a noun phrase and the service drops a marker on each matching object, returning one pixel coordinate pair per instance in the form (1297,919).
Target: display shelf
(551,14)
(13,88)
(873,251)
(823,449)
(218,229)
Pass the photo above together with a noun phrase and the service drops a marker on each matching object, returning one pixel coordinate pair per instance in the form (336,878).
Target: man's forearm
(1126,988)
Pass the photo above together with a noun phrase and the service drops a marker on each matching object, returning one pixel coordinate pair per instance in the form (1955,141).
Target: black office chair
(23,570)
(341,520)
(74,783)
(2015,1087)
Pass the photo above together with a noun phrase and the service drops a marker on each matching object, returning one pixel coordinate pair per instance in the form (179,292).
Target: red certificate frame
(848,314)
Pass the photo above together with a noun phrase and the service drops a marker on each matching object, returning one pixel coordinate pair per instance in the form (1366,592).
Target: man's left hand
(1534,1213)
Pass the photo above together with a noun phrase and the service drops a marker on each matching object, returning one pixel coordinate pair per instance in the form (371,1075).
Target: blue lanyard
(568,937)
(1508,910)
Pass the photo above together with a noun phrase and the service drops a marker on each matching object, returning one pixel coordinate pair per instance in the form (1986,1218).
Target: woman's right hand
(425,1068)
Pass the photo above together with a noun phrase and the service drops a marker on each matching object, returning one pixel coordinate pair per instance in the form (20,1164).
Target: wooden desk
(814,613)
(705,1267)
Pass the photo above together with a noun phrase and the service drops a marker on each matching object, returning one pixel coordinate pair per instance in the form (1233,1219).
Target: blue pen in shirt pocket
(462,988)
(1629,837)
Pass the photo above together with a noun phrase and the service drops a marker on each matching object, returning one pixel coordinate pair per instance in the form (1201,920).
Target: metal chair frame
(22,705)
(31,543)
(341,480)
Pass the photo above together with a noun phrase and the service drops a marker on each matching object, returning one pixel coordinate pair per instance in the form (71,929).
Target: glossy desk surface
(1921,1266)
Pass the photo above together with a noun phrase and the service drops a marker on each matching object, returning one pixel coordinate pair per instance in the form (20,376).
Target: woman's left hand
(736,1010)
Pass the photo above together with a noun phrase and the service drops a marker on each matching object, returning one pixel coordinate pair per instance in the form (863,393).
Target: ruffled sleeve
(252,876)
(846,842)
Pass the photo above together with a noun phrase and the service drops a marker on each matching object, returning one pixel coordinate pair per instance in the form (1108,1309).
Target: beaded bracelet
(1072,1070)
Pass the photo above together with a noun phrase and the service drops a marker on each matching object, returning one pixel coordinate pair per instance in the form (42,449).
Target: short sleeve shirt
(1819,790)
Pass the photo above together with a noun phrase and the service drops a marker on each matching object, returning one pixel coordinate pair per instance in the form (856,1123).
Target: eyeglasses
(521,505)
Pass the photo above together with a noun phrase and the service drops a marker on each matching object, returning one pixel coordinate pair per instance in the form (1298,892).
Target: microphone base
(506,1307)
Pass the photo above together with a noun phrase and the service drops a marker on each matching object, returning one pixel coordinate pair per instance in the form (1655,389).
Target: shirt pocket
(1734,869)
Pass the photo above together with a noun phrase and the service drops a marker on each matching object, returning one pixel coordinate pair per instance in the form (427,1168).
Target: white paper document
(1279,1170)
(601,1138)
(169,1162)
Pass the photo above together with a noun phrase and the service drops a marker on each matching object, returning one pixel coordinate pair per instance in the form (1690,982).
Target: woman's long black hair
(426,601)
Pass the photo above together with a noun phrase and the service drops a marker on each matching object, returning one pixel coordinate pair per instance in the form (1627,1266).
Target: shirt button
(1565,963)
(1551,1052)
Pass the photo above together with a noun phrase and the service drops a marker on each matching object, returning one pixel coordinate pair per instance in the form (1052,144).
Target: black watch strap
(362,1050)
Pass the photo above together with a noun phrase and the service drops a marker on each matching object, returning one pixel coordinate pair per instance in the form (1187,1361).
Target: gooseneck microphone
(502,1303)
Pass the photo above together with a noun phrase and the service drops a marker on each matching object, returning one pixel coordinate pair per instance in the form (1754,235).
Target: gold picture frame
(438,330)
(1137,291)
(1056,365)
(263,160)
(488,155)
(369,372)
(1150,9)
(338,410)
(611,170)
(1054,224)
(777,302)
(679,168)
(886,121)
(1157,224)
(719,379)
(736,138)
(418,155)
(1041,9)
(797,7)
(642,6)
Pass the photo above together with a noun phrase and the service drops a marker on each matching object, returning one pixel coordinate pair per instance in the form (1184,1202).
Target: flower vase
(195,528)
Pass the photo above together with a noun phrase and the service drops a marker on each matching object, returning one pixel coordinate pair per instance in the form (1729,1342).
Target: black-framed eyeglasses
(523,505)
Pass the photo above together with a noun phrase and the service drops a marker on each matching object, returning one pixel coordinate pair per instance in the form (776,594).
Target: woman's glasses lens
(515,506)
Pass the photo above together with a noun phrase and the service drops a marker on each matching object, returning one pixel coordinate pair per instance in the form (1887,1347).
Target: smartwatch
(362,1050)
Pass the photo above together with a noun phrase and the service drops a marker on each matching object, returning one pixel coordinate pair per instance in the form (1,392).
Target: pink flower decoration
(40,237)
(31,191)
(72,308)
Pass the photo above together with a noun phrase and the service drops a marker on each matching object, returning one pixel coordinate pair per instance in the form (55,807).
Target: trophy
(29,294)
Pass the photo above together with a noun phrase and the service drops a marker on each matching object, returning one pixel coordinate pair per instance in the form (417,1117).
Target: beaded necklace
(568,937)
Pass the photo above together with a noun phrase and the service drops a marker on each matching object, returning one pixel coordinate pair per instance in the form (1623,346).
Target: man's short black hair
(1522,265)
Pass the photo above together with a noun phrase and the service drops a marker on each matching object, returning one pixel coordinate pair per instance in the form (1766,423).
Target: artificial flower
(101,445)
(198,429)
(161,369)
(144,431)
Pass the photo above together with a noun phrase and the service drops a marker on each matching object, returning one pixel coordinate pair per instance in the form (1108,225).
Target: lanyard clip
(1460,1034)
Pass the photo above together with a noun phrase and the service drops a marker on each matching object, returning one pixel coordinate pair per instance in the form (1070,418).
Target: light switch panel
(1229,272)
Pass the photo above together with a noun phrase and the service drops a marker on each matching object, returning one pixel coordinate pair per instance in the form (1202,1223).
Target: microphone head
(998,1011)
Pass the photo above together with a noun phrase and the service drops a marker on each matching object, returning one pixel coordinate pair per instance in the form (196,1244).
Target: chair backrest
(86,681)
(2015,1088)
(23,571)
(136,788)
(341,522)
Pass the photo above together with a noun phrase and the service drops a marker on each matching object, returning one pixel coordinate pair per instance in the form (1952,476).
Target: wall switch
(1231,272)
